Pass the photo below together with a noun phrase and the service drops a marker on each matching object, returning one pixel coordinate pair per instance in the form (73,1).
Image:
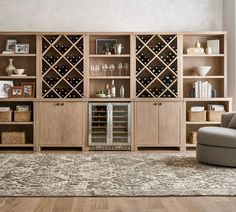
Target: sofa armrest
(226,118)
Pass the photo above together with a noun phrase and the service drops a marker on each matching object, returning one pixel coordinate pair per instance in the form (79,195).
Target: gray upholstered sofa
(217,145)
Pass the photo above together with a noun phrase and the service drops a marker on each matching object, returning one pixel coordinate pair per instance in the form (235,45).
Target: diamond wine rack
(156,66)
(62,66)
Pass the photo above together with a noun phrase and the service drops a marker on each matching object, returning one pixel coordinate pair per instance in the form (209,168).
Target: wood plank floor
(119,204)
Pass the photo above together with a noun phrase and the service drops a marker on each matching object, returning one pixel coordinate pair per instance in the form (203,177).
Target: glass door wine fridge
(109,126)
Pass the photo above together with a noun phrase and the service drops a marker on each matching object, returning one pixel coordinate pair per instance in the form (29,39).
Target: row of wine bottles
(157,92)
(54,95)
(167,38)
(74,81)
(156,70)
(169,79)
(72,38)
(145,80)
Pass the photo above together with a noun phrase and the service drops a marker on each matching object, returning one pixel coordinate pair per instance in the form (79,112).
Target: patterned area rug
(112,174)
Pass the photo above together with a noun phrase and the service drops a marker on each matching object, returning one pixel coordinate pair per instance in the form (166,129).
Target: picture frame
(22,48)
(5,87)
(28,89)
(105,46)
(16,92)
(10,45)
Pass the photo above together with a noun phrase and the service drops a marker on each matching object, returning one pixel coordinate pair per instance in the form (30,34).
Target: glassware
(97,69)
(120,68)
(126,68)
(111,68)
(104,68)
(92,69)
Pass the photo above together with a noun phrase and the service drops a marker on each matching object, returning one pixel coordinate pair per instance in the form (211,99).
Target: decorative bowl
(19,71)
(102,95)
(202,70)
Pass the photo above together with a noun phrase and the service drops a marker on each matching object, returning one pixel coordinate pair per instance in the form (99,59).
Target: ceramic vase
(10,68)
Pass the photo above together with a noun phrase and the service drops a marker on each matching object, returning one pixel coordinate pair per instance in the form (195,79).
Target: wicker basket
(22,116)
(214,116)
(13,138)
(196,116)
(5,116)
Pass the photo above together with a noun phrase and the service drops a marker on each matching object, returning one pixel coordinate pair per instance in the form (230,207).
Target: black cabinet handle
(62,104)
(160,103)
(155,103)
(58,104)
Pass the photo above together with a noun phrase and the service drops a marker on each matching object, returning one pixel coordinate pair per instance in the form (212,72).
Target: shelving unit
(156,66)
(98,80)
(62,66)
(157,84)
(217,77)
(29,63)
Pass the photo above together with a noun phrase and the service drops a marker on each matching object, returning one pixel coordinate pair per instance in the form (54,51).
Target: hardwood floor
(119,204)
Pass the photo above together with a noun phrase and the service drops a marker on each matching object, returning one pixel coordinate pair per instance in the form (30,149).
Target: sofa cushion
(217,136)
(232,123)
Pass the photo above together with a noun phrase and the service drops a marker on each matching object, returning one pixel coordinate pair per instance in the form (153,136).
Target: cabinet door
(48,121)
(146,124)
(169,123)
(72,123)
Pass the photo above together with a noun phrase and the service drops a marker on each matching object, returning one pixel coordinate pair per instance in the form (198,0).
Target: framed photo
(22,48)
(105,46)
(28,89)
(16,92)
(4,88)
(10,45)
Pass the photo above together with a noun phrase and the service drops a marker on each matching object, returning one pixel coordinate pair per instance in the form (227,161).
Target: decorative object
(22,48)
(202,70)
(13,137)
(122,91)
(10,45)
(112,174)
(208,50)
(4,88)
(16,92)
(28,89)
(197,44)
(214,45)
(118,48)
(10,68)
(214,116)
(19,71)
(105,46)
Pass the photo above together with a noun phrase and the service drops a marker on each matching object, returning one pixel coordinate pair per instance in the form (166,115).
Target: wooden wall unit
(157,83)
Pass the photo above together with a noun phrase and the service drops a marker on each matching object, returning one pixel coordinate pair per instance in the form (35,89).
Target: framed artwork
(22,48)
(105,46)
(5,87)
(10,45)
(28,89)
(16,92)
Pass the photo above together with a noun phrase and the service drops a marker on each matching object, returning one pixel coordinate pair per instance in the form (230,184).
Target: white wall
(110,15)
(230,26)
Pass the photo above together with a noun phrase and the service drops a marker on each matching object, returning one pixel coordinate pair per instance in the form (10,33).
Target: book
(215,46)
(197,108)
(3,109)
(22,107)
(215,107)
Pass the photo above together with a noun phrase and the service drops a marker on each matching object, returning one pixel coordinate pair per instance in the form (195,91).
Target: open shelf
(109,56)
(203,55)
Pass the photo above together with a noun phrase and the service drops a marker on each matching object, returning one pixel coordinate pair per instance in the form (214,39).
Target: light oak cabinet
(60,123)
(157,124)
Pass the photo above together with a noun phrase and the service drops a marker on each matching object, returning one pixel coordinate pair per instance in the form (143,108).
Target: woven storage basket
(22,116)
(5,116)
(13,138)
(214,116)
(196,116)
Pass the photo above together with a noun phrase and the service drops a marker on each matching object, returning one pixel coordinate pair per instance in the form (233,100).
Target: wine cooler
(109,126)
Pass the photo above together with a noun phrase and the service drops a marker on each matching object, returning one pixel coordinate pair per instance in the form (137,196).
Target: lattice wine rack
(62,66)
(156,66)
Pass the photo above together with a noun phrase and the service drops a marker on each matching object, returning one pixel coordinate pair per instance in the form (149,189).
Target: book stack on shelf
(203,89)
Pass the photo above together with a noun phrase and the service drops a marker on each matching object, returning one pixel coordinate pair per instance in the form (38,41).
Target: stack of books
(22,107)
(202,89)
(4,109)
(197,108)
(219,108)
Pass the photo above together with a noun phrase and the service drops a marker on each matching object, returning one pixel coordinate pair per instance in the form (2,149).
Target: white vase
(10,68)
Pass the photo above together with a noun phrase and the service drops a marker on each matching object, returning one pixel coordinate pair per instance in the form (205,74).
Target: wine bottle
(113,89)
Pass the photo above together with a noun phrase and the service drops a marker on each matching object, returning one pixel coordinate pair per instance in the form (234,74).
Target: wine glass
(120,67)
(97,69)
(92,69)
(126,68)
(104,68)
(111,68)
